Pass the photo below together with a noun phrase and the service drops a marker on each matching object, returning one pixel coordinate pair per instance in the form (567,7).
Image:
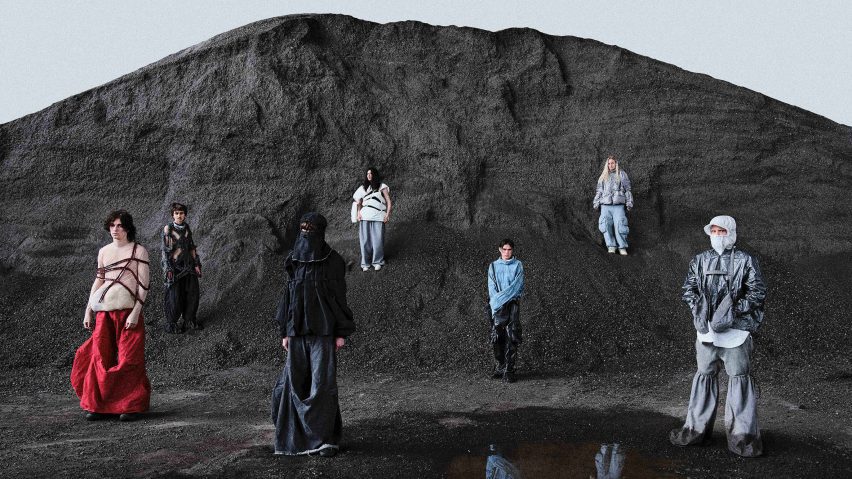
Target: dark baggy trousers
(181,298)
(506,336)
(305,408)
(741,404)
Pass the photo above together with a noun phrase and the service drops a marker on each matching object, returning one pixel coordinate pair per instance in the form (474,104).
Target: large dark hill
(480,135)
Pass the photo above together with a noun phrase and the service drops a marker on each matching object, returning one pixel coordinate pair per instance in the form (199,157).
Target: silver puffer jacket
(614,191)
(707,282)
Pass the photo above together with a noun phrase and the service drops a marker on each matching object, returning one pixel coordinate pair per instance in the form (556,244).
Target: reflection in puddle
(498,467)
(609,462)
(543,460)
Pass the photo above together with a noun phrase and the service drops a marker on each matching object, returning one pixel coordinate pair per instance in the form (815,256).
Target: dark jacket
(706,283)
(314,303)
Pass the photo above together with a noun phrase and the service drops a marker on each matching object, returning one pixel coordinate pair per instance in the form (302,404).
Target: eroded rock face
(479,134)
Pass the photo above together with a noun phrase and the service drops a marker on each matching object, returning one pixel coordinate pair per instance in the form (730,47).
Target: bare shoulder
(141,252)
(166,229)
(102,254)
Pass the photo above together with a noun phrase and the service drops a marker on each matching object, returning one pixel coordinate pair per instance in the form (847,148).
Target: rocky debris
(480,135)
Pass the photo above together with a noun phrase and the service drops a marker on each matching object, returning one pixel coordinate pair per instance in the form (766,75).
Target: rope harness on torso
(101,274)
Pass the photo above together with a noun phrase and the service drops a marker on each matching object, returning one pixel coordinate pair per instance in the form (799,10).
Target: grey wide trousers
(305,409)
(371,236)
(741,404)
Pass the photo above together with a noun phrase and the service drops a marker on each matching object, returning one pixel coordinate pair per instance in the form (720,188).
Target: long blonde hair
(605,174)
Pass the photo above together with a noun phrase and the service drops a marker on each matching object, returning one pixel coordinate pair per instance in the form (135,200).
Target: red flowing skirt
(108,374)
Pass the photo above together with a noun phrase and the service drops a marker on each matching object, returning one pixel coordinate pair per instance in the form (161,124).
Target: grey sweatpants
(371,235)
(741,404)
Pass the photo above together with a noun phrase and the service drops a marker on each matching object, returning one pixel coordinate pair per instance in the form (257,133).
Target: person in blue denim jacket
(614,199)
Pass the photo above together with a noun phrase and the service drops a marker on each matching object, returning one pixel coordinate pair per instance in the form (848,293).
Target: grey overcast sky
(799,52)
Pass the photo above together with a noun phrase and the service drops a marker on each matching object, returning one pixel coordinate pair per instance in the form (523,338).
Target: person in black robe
(314,321)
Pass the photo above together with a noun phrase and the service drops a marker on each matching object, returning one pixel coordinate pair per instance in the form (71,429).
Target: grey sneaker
(622,252)
(377,266)
(611,249)
(365,268)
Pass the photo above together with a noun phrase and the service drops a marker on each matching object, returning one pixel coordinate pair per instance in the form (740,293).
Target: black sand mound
(480,135)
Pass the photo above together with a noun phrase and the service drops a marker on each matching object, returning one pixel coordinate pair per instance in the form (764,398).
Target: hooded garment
(712,275)
(727,241)
(314,303)
(310,245)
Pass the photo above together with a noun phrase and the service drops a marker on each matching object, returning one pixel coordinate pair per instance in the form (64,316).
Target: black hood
(310,245)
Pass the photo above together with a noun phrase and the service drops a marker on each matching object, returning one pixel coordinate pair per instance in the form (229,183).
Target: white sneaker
(622,252)
(611,249)
(377,266)
(365,268)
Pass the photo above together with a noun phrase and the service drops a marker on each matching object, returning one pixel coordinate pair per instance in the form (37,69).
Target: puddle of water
(546,460)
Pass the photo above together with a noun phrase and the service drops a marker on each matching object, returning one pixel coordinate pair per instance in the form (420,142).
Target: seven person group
(724,289)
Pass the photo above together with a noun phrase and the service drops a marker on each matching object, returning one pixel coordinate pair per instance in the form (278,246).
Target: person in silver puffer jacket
(614,198)
(725,291)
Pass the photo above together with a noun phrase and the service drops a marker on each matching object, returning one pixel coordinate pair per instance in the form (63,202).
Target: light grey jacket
(615,191)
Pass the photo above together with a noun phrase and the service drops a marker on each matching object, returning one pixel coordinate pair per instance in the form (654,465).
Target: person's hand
(387,217)
(87,321)
(169,275)
(338,343)
(132,319)
(198,271)
(359,215)
(285,343)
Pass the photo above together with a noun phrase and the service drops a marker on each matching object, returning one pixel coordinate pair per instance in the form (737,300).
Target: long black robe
(312,313)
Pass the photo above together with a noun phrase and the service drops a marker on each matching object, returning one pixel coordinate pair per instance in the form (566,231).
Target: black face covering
(310,244)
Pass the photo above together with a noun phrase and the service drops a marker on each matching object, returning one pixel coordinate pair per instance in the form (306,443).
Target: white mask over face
(721,243)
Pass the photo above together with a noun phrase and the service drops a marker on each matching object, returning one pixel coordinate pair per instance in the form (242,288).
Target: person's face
(369,175)
(610,163)
(506,252)
(718,231)
(179,216)
(307,228)
(117,231)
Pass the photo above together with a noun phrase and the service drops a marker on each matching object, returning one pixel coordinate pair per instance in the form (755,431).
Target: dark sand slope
(481,135)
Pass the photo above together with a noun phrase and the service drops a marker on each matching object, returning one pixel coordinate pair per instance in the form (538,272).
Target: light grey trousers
(741,404)
(371,236)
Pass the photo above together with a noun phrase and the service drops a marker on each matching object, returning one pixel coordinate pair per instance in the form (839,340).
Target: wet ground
(425,426)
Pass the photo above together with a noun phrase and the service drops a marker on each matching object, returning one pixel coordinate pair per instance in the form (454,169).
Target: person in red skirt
(108,374)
